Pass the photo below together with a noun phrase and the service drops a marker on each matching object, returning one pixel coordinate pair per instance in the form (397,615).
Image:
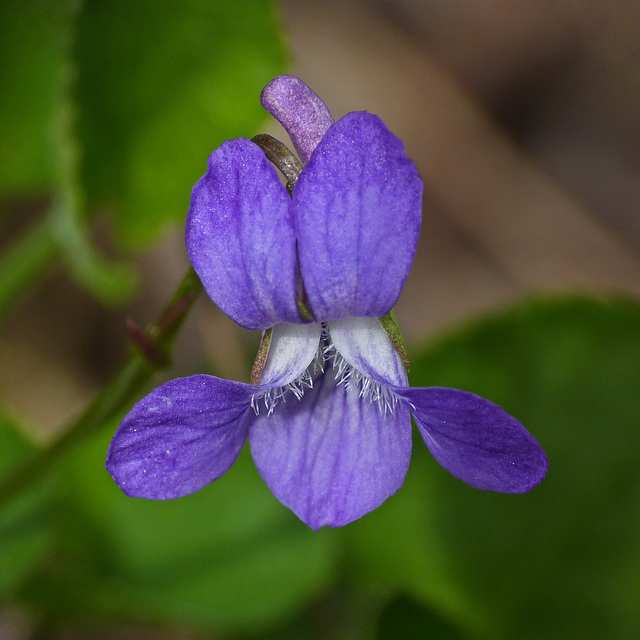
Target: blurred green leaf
(31,56)
(25,532)
(564,560)
(158,88)
(228,557)
(24,262)
(114,107)
(110,281)
(404,619)
(40,152)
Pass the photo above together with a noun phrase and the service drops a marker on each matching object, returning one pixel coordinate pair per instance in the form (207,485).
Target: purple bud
(305,117)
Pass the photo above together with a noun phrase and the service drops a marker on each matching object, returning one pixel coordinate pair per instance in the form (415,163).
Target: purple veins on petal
(332,456)
(476,440)
(182,436)
(357,208)
(240,237)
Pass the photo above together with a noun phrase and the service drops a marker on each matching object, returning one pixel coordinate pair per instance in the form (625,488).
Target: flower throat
(327,362)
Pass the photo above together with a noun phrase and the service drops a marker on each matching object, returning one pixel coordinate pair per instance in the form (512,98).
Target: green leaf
(562,561)
(39,151)
(158,89)
(404,619)
(31,56)
(25,533)
(227,557)
(110,281)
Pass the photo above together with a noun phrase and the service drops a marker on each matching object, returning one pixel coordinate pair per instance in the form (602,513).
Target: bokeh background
(523,119)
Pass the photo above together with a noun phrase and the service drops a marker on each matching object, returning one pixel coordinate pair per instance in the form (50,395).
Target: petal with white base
(332,456)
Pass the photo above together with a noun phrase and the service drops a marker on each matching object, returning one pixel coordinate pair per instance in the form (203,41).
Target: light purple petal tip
(332,457)
(476,440)
(299,110)
(357,207)
(182,436)
(240,237)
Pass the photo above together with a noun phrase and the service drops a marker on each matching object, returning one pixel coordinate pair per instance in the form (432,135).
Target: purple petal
(331,457)
(293,348)
(357,209)
(299,110)
(240,237)
(182,436)
(365,345)
(476,440)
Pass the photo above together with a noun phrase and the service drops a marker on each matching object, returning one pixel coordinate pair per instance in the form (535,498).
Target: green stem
(117,395)
(24,262)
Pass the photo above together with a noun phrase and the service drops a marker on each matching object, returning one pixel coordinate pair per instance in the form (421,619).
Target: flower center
(329,362)
(269,398)
(354,381)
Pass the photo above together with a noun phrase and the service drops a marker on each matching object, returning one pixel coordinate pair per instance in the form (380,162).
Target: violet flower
(329,414)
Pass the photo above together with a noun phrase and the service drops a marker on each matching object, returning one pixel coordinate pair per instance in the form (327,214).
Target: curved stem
(118,394)
(281,157)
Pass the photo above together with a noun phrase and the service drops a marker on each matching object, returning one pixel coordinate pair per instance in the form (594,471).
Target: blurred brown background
(523,119)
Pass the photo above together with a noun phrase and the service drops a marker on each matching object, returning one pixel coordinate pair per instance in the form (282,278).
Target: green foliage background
(111,109)
(561,561)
